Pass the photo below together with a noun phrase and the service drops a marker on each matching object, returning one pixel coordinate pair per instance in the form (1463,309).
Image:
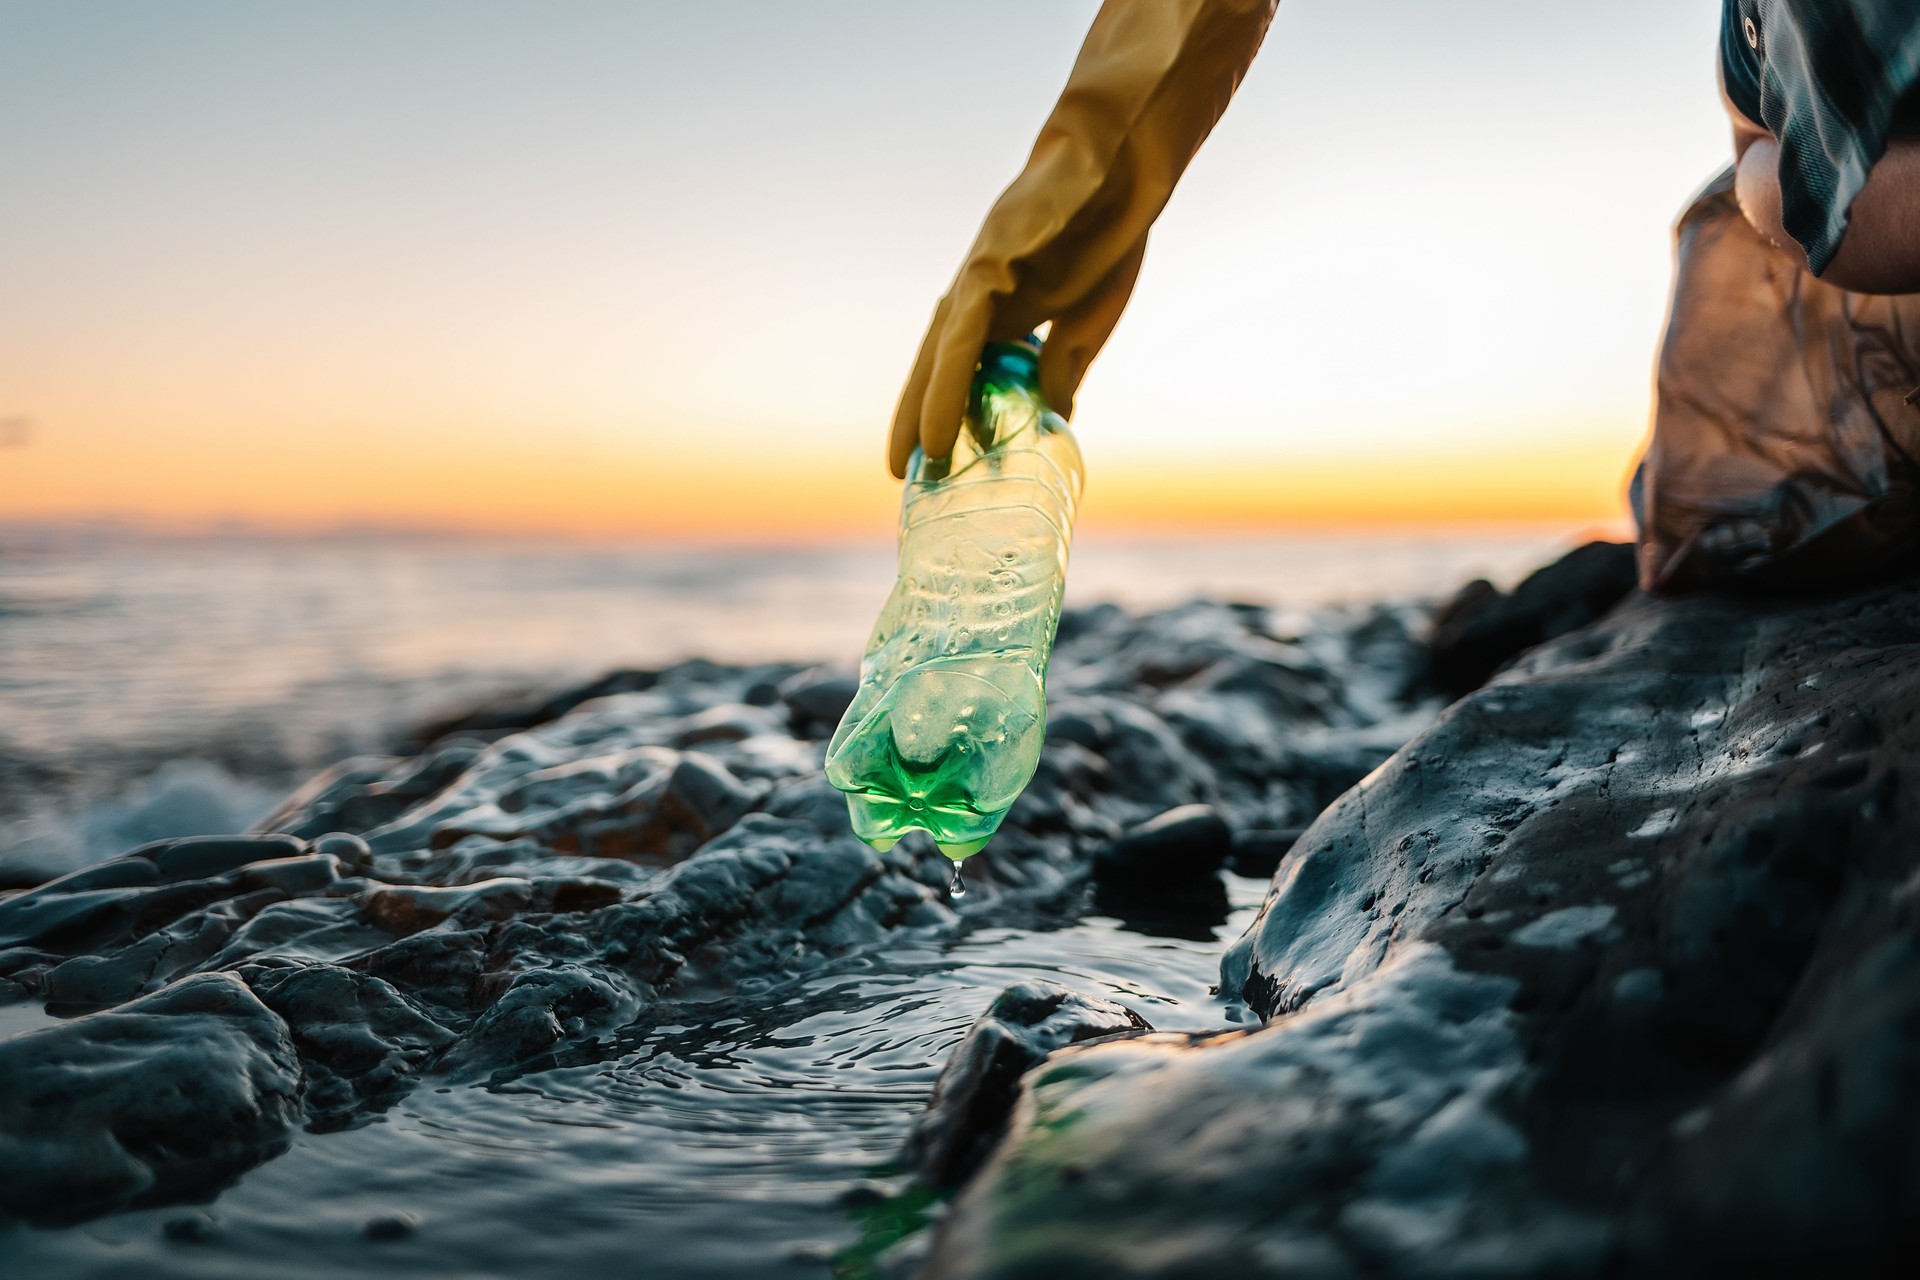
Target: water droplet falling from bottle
(956,887)
(953,705)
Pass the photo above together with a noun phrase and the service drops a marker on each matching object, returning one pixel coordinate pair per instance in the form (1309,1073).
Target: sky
(658,269)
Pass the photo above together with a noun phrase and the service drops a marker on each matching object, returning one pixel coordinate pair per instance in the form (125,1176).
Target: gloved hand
(1064,243)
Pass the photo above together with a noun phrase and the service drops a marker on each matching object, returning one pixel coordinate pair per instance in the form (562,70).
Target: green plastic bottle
(945,731)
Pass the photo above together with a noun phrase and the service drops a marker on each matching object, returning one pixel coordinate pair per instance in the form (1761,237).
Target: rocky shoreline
(1615,970)
(1610,969)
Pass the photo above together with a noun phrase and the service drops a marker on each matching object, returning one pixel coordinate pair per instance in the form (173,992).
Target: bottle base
(882,823)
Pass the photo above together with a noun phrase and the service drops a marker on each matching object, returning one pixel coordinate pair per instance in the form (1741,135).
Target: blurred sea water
(156,686)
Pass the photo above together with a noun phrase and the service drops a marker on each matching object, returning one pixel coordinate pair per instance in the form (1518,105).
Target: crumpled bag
(1785,426)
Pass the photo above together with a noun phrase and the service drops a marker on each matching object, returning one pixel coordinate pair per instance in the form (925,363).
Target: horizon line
(135,525)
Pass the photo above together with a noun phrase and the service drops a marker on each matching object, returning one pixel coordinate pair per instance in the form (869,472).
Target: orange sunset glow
(582,491)
(626,275)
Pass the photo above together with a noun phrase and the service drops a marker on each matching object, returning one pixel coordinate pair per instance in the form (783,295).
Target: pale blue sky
(266,230)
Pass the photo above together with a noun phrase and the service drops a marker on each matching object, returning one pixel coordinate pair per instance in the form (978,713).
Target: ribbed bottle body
(946,729)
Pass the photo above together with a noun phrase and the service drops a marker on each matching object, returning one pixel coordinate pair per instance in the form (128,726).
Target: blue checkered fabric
(1826,77)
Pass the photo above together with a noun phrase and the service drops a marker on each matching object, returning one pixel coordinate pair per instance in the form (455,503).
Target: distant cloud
(15,431)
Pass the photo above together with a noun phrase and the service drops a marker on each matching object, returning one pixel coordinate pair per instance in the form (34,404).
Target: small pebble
(390,1226)
(344,845)
(191,1228)
(810,1251)
(1181,846)
(1258,852)
(863,1195)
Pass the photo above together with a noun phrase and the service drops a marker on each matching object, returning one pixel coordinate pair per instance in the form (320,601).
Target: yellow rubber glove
(1064,243)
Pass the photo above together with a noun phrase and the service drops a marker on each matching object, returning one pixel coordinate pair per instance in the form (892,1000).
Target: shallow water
(719,1144)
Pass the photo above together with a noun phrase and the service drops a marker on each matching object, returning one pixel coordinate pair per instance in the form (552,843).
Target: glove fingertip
(944,406)
(902,436)
(938,441)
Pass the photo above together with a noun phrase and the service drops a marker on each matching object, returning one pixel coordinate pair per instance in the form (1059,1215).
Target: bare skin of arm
(1881,250)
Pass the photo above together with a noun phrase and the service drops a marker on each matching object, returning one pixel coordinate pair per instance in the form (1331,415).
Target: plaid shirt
(1826,78)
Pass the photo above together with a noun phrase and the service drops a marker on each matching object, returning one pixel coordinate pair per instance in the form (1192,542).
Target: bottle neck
(1009,372)
(1006,365)
(1010,363)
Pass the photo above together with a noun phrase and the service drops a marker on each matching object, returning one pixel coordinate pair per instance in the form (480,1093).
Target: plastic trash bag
(1785,426)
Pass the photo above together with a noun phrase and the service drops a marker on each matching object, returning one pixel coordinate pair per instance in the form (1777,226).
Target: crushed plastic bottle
(946,728)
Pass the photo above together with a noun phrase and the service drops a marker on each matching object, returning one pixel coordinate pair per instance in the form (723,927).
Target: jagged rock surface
(1179,846)
(164,1098)
(1614,971)
(535,878)
(976,1089)
(1482,628)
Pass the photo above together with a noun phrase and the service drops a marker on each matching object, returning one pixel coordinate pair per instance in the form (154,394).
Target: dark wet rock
(389,1227)
(661,818)
(74,901)
(1080,724)
(642,803)
(116,873)
(701,799)
(34,917)
(349,849)
(166,1097)
(511,714)
(735,722)
(763,898)
(1161,877)
(297,876)
(443,969)
(539,1010)
(406,909)
(302,930)
(817,700)
(1258,851)
(361,1041)
(96,981)
(366,792)
(1180,846)
(1064,797)
(863,1195)
(1281,681)
(202,856)
(191,1228)
(1322,767)
(1483,628)
(811,799)
(137,895)
(152,928)
(977,1088)
(1615,970)
(1149,765)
